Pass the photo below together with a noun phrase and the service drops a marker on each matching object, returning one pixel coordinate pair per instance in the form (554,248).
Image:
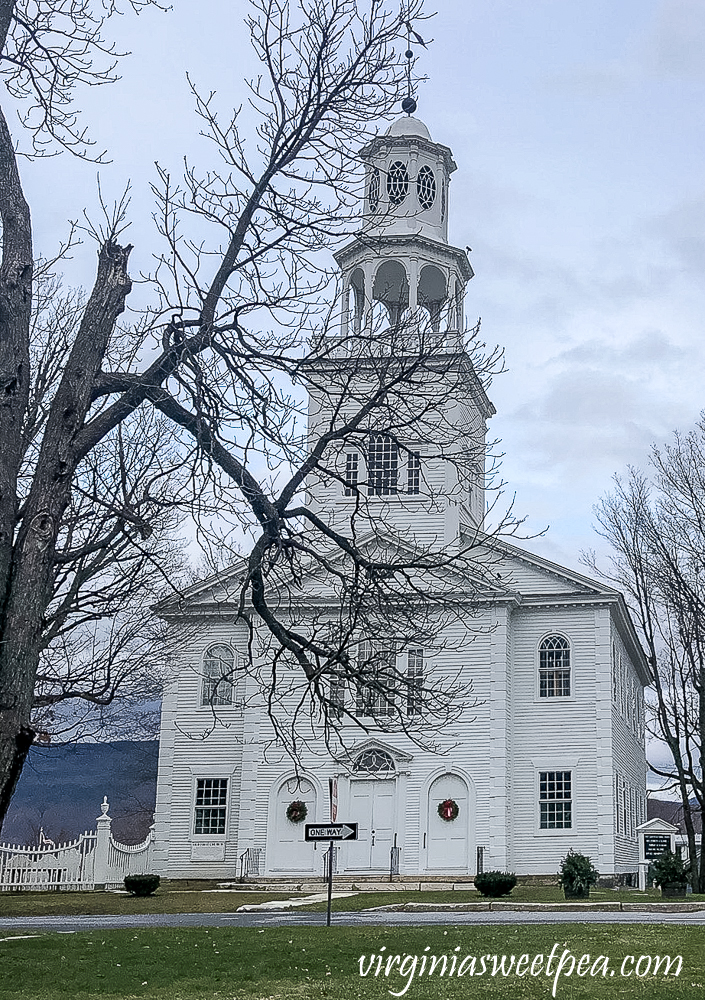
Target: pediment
(529,575)
(491,569)
(657,825)
(372,747)
(220,593)
(217,592)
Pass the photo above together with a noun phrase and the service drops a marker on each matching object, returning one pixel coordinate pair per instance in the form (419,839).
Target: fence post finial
(102,845)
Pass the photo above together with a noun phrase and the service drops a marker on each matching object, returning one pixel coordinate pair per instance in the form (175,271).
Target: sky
(579,136)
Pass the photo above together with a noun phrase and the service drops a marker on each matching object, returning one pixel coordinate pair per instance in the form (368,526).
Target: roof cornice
(364,245)
(380,143)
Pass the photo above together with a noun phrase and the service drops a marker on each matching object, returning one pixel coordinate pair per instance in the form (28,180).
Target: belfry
(402,260)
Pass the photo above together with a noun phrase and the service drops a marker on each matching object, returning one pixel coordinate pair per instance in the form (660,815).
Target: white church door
(447,839)
(287,849)
(372,807)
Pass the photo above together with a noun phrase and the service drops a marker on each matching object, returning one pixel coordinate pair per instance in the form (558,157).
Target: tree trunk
(29,569)
(15,314)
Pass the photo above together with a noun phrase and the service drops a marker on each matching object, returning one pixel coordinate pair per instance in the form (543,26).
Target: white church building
(549,753)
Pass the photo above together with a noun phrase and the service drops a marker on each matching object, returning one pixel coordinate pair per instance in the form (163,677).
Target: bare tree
(656,526)
(118,550)
(238,331)
(346,588)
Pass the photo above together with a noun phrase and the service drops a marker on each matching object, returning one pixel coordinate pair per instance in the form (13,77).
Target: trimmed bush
(577,875)
(141,885)
(495,883)
(668,870)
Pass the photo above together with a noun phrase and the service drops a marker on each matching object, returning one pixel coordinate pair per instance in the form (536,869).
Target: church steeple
(417,467)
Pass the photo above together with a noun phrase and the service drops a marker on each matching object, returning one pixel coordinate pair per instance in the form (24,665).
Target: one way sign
(331,831)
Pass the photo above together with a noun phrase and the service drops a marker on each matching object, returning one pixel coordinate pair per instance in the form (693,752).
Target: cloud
(675,44)
(680,231)
(670,44)
(652,347)
(600,406)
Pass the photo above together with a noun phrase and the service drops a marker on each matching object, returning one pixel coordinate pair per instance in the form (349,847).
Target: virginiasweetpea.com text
(401,970)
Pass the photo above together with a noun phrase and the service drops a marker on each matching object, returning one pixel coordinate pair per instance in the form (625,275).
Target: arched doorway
(447,840)
(287,849)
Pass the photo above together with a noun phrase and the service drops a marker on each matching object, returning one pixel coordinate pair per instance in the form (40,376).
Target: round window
(397,182)
(426,187)
(373,193)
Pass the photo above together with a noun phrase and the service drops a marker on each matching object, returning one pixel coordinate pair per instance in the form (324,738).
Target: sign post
(331,848)
(333,796)
(331,832)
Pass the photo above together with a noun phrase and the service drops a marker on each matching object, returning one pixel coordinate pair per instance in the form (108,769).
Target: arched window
(218,670)
(374,761)
(373,191)
(397,182)
(554,667)
(443,203)
(426,187)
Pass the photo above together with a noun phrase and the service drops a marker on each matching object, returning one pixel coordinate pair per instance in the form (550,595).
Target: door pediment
(370,748)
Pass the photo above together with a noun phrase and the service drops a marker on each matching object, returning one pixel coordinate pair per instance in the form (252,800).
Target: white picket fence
(93,860)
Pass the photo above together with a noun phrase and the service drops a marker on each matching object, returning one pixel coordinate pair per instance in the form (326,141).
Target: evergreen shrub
(577,875)
(141,885)
(495,883)
(668,869)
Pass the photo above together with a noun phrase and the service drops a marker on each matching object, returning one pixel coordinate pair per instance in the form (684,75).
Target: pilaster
(496,836)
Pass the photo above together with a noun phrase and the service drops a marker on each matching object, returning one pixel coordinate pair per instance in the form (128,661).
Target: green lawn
(185,897)
(521,894)
(45,904)
(316,963)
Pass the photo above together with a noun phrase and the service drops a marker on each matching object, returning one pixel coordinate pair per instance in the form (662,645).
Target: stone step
(352,884)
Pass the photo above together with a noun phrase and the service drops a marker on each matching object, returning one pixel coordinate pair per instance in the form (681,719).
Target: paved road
(8,925)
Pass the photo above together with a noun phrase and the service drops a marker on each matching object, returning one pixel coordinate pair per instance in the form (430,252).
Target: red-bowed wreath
(296,812)
(448,810)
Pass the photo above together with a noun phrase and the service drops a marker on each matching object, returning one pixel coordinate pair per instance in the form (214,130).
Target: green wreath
(448,810)
(296,812)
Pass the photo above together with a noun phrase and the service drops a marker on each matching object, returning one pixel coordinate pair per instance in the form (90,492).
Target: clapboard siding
(497,746)
(201,742)
(455,431)
(554,734)
(629,782)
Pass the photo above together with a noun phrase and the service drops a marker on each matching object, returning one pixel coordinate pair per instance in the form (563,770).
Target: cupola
(407,176)
(401,265)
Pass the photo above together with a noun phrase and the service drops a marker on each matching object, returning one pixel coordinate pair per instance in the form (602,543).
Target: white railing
(127,859)
(93,860)
(68,866)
